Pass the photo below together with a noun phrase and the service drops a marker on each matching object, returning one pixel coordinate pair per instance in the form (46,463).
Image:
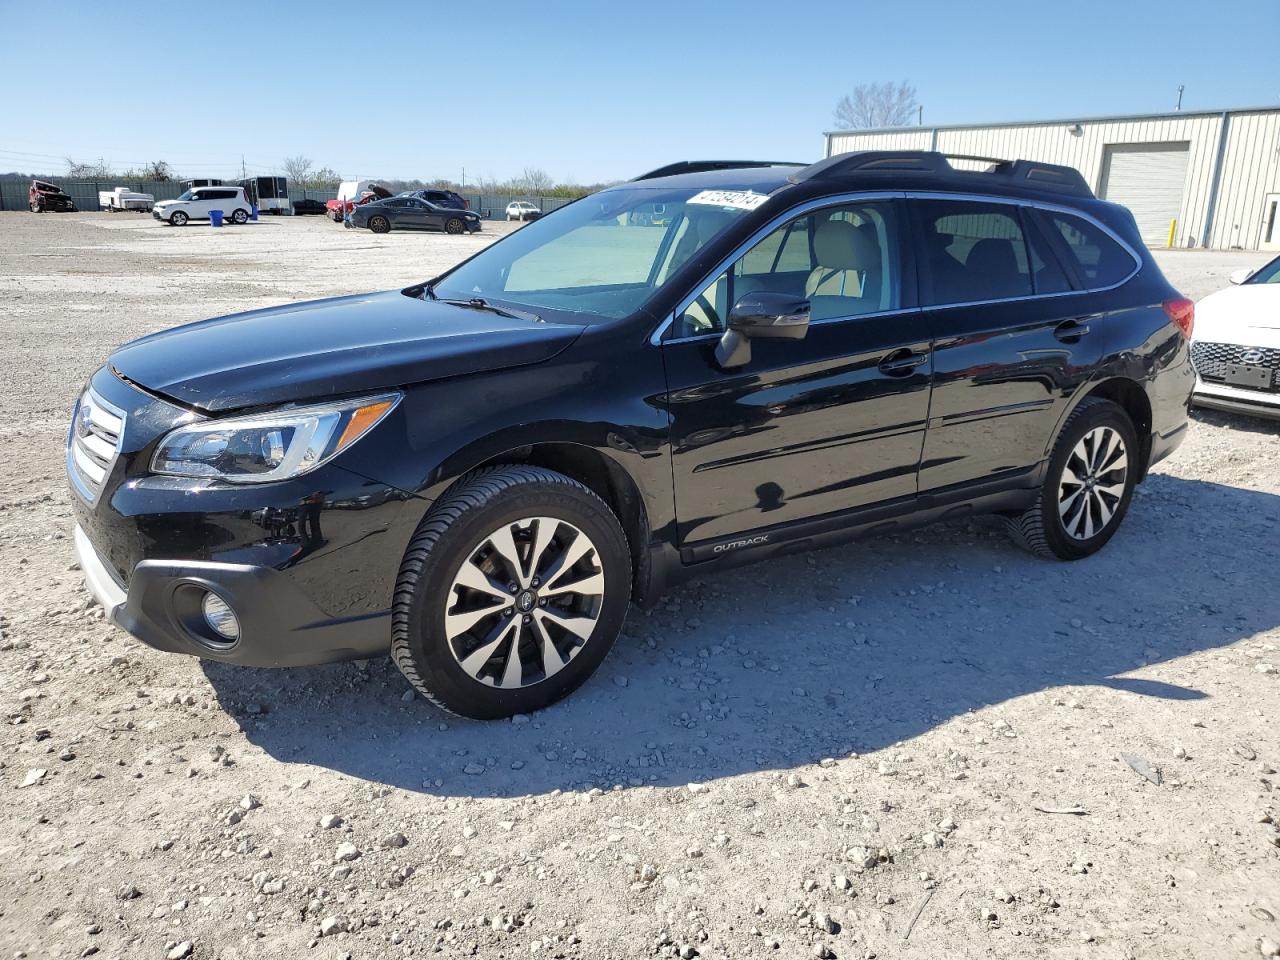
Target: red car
(351,194)
(46,196)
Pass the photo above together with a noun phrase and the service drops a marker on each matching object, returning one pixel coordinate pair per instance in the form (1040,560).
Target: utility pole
(464,178)
(243,175)
(1180,89)
(920,115)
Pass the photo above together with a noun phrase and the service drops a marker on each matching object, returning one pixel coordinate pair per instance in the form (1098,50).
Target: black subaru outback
(479,473)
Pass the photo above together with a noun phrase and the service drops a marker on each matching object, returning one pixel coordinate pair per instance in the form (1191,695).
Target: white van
(197,202)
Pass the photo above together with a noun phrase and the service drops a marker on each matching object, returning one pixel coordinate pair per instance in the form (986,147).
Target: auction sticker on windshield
(738,199)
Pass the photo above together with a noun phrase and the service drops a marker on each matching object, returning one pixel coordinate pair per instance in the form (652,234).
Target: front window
(843,259)
(605,254)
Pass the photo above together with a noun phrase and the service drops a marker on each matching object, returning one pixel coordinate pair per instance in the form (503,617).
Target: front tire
(178,219)
(511,593)
(454,225)
(1088,485)
(379,224)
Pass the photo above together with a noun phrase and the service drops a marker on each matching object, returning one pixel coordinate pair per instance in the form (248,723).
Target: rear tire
(475,627)
(1088,485)
(240,217)
(379,225)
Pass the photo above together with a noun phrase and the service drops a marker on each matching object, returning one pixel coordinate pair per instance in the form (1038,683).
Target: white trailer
(122,198)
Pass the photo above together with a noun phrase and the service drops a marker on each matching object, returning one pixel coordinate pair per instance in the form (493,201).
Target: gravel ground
(926,746)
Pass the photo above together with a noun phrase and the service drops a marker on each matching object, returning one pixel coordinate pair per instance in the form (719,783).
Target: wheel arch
(1129,395)
(601,474)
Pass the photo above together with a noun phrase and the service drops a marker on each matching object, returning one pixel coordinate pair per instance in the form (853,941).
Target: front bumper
(279,625)
(1217,396)
(308,565)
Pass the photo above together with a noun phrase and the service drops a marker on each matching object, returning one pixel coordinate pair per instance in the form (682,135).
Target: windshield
(1268,274)
(605,254)
(187,195)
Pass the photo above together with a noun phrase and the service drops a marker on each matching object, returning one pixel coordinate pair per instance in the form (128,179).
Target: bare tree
(157,170)
(88,170)
(299,169)
(324,177)
(873,105)
(536,180)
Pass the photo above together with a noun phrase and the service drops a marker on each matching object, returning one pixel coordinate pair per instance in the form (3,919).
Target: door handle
(901,363)
(1069,331)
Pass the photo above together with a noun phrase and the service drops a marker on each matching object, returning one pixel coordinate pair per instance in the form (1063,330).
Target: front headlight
(269,446)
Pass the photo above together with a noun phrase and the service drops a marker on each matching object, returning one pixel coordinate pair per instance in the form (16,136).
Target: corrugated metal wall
(1250,162)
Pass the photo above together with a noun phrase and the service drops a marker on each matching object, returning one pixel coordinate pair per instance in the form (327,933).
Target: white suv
(198,202)
(522,210)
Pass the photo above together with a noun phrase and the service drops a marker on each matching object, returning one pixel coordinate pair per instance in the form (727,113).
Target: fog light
(220,618)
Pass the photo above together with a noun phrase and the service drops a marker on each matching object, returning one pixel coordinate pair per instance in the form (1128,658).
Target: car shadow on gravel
(1266,426)
(779,665)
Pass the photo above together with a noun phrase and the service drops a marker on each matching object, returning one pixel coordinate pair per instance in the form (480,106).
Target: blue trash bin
(253,212)
(215,217)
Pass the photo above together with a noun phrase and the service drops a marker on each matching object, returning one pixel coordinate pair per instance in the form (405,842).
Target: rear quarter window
(1099,259)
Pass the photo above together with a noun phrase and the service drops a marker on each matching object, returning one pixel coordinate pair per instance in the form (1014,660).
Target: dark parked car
(43,196)
(410,212)
(479,473)
(308,207)
(441,198)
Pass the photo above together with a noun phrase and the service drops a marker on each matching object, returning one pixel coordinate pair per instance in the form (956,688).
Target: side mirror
(1241,275)
(761,314)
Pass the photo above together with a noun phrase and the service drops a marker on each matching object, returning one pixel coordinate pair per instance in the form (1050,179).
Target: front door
(808,427)
(410,213)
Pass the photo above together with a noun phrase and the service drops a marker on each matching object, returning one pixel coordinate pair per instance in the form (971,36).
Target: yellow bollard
(1173,227)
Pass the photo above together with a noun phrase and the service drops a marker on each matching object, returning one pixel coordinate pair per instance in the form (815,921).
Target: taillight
(1182,312)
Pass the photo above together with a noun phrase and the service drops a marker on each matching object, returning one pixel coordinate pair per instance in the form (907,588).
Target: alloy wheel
(524,602)
(1093,483)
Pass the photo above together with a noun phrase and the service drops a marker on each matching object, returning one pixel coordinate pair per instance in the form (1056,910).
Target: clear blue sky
(585,90)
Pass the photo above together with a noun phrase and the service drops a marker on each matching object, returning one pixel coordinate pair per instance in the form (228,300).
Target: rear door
(808,428)
(1009,347)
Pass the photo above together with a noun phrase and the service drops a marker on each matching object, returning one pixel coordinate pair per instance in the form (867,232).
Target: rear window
(972,251)
(1100,261)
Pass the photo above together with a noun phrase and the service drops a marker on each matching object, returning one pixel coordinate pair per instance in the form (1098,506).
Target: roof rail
(701,166)
(1048,176)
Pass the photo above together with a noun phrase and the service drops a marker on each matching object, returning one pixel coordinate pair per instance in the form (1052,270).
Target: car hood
(1239,310)
(324,348)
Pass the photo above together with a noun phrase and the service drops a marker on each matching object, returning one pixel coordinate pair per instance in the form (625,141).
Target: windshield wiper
(480,303)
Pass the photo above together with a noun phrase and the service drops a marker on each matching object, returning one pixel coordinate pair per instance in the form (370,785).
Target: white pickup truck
(122,198)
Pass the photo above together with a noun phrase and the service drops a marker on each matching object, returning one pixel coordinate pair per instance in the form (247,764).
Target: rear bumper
(279,625)
(1163,444)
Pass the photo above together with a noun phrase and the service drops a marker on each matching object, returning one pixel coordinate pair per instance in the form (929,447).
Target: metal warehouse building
(1214,175)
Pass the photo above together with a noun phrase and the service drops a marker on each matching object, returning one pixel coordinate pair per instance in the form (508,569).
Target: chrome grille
(1211,359)
(93,443)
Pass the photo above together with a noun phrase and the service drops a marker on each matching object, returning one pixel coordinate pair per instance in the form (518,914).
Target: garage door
(1148,178)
